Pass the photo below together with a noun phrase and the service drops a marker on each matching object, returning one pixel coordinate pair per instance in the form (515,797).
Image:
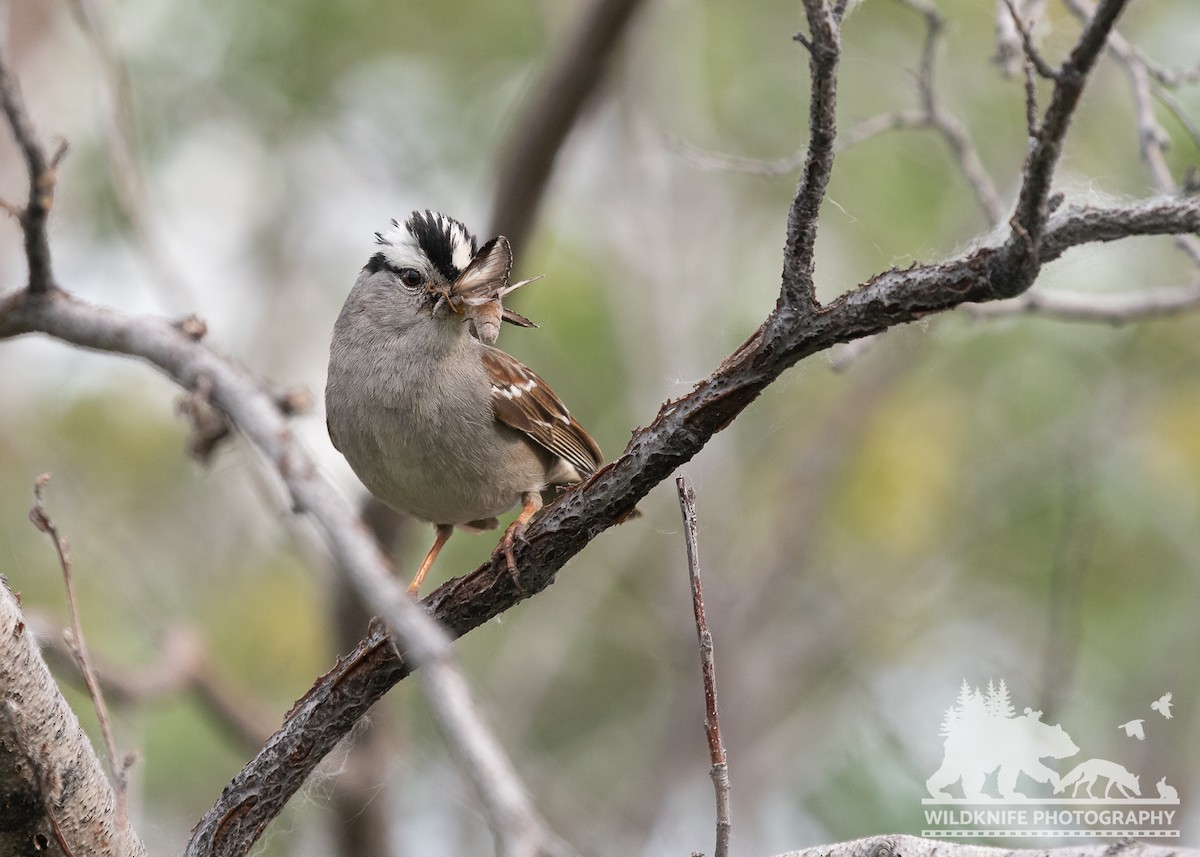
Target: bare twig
(1115,309)
(1152,138)
(931,114)
(712,717)
(1032,55)
(182,667)
(1010,53)
(557,101)
(43,174)
(1031,214)
(124,160)
(799,291)
(951,129)
(78,646)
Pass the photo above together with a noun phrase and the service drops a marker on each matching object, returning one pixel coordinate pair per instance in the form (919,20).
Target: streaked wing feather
(523,401)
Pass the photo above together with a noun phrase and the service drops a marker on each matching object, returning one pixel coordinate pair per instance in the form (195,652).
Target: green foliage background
(1013,498)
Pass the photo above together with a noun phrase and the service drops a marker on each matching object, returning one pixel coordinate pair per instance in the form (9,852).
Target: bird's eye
(410,277)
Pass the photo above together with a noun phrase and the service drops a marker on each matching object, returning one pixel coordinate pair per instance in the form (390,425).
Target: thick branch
(52,786)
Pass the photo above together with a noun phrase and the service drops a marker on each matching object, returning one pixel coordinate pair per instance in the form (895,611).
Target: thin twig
(712,718)
(183,666)
(798,292)
(1032,55)
(949,126)
(1114,309)
(78,646)
(931,114)
(43,174)
(125,168)
(1030,216)
(1153,140)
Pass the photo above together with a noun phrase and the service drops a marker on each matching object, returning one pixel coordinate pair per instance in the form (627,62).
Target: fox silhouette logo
(1086,774)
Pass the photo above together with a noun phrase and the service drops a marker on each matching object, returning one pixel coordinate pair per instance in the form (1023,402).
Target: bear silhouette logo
(984,734)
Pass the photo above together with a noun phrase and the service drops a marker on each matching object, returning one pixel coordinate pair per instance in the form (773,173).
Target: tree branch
(712,717)
(52,785)
(43,173)
(77,644)
(799,291)
(1031,213)
(1115,309)
(543,125)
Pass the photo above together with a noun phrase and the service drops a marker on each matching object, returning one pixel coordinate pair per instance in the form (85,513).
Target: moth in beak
(478,291)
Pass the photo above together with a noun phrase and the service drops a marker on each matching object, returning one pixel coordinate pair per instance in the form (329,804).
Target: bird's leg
(531,503)
(443,533)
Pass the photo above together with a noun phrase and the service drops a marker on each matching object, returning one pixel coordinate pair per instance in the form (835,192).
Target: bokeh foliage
(1012,498)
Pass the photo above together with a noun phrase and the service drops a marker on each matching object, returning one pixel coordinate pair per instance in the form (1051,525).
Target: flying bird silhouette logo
(1133,729)
(1163,705)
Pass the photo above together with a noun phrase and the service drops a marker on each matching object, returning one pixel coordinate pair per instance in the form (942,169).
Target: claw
(531,503)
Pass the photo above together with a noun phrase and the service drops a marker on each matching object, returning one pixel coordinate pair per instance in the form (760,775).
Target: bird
(1163,705)
(1133,729)
(436,422)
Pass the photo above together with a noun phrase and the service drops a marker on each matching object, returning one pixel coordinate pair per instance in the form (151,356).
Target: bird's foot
(514,533)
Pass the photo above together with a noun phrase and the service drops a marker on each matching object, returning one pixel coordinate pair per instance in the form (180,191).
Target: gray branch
(52,785)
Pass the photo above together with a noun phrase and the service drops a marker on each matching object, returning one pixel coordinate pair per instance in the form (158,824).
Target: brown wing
(523,401)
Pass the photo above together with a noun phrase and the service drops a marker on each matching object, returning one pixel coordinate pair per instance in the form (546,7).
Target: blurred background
(1013,498)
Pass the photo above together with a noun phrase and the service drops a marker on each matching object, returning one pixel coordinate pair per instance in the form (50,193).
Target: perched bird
(1133,729)
(1163,705)
(436,423)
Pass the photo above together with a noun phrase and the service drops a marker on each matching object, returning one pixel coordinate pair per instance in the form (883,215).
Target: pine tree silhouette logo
(984,734)
(1005,767)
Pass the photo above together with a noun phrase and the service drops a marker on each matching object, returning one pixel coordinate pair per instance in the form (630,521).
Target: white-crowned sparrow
(436,423)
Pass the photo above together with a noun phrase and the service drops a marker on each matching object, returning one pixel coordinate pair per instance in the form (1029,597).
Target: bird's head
(417,262)
(432,266)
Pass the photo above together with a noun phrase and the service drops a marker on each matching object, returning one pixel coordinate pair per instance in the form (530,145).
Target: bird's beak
(442,305)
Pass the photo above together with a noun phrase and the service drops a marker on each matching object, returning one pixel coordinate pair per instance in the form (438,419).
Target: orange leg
(443,533)
(531,504)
